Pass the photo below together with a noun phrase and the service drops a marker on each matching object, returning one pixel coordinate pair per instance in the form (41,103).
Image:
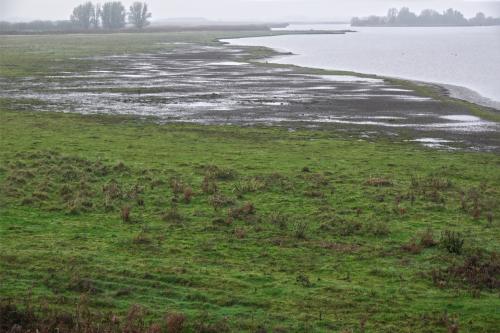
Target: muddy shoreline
(217,83)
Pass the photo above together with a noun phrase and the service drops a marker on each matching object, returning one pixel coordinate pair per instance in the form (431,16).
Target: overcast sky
(250,10)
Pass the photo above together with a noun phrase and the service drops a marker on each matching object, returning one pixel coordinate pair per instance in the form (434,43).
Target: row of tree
(428,17)
(111,15)
(37,26)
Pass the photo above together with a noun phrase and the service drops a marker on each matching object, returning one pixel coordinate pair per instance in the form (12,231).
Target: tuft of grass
(279,219)
(172,216)
(125,214)
(427,239)
(209,186)
(188,194)
(175,322)
(300,230)
(220,173)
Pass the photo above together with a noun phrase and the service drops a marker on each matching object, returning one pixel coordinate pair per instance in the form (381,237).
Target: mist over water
(464,59)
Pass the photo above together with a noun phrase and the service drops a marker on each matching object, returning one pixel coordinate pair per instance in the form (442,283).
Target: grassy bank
(225,228)
(246,228)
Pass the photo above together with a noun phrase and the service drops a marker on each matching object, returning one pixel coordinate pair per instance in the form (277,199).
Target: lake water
(466,60)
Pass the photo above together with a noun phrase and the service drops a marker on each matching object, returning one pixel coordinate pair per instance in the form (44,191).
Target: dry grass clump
(249,185)
(220,173)
(412,247)
(316,180)
(314,194)
(125,214)
(379,181)
(427,239)
(172,216)
(342,248)
(177,186)
(478,202)
(245,212)
(276,180)
(175,322)
(379,229)
(240,233)
(477,271)
(187,194)
(420,242)
(279,219)
(112,190)
(219,200)
(209,186)
(430,183)
(341,226)
(121,167)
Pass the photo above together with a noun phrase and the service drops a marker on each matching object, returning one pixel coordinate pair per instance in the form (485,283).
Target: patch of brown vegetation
(378,181)
(478,271)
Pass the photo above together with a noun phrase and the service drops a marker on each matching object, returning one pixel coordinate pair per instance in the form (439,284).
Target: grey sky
(255,10)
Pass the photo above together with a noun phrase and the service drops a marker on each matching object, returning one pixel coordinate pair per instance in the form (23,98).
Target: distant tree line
(428,17)
(88,16)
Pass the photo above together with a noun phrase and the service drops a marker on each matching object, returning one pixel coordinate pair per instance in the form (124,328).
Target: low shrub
(452,241)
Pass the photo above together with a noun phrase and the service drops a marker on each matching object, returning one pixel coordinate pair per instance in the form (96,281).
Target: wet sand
(213,84)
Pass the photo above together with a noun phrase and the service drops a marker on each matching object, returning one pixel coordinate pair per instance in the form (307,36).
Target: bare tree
(113,15)
(83,15)
(139,15)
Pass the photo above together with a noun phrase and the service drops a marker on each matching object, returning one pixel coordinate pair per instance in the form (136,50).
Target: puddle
(431,140)
(462,118)
(395,90)
(228,63)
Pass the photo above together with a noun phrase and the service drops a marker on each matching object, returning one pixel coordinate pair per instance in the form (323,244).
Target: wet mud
(212,84)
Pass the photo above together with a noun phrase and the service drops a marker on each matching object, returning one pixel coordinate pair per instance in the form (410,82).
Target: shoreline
(451,91)
(212,82)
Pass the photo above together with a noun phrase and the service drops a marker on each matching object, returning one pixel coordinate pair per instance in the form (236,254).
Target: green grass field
(227,228)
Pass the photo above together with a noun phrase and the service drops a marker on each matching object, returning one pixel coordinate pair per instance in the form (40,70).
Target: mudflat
(209,82)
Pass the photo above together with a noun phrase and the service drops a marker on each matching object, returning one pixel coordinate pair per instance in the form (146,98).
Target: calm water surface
(464,59)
